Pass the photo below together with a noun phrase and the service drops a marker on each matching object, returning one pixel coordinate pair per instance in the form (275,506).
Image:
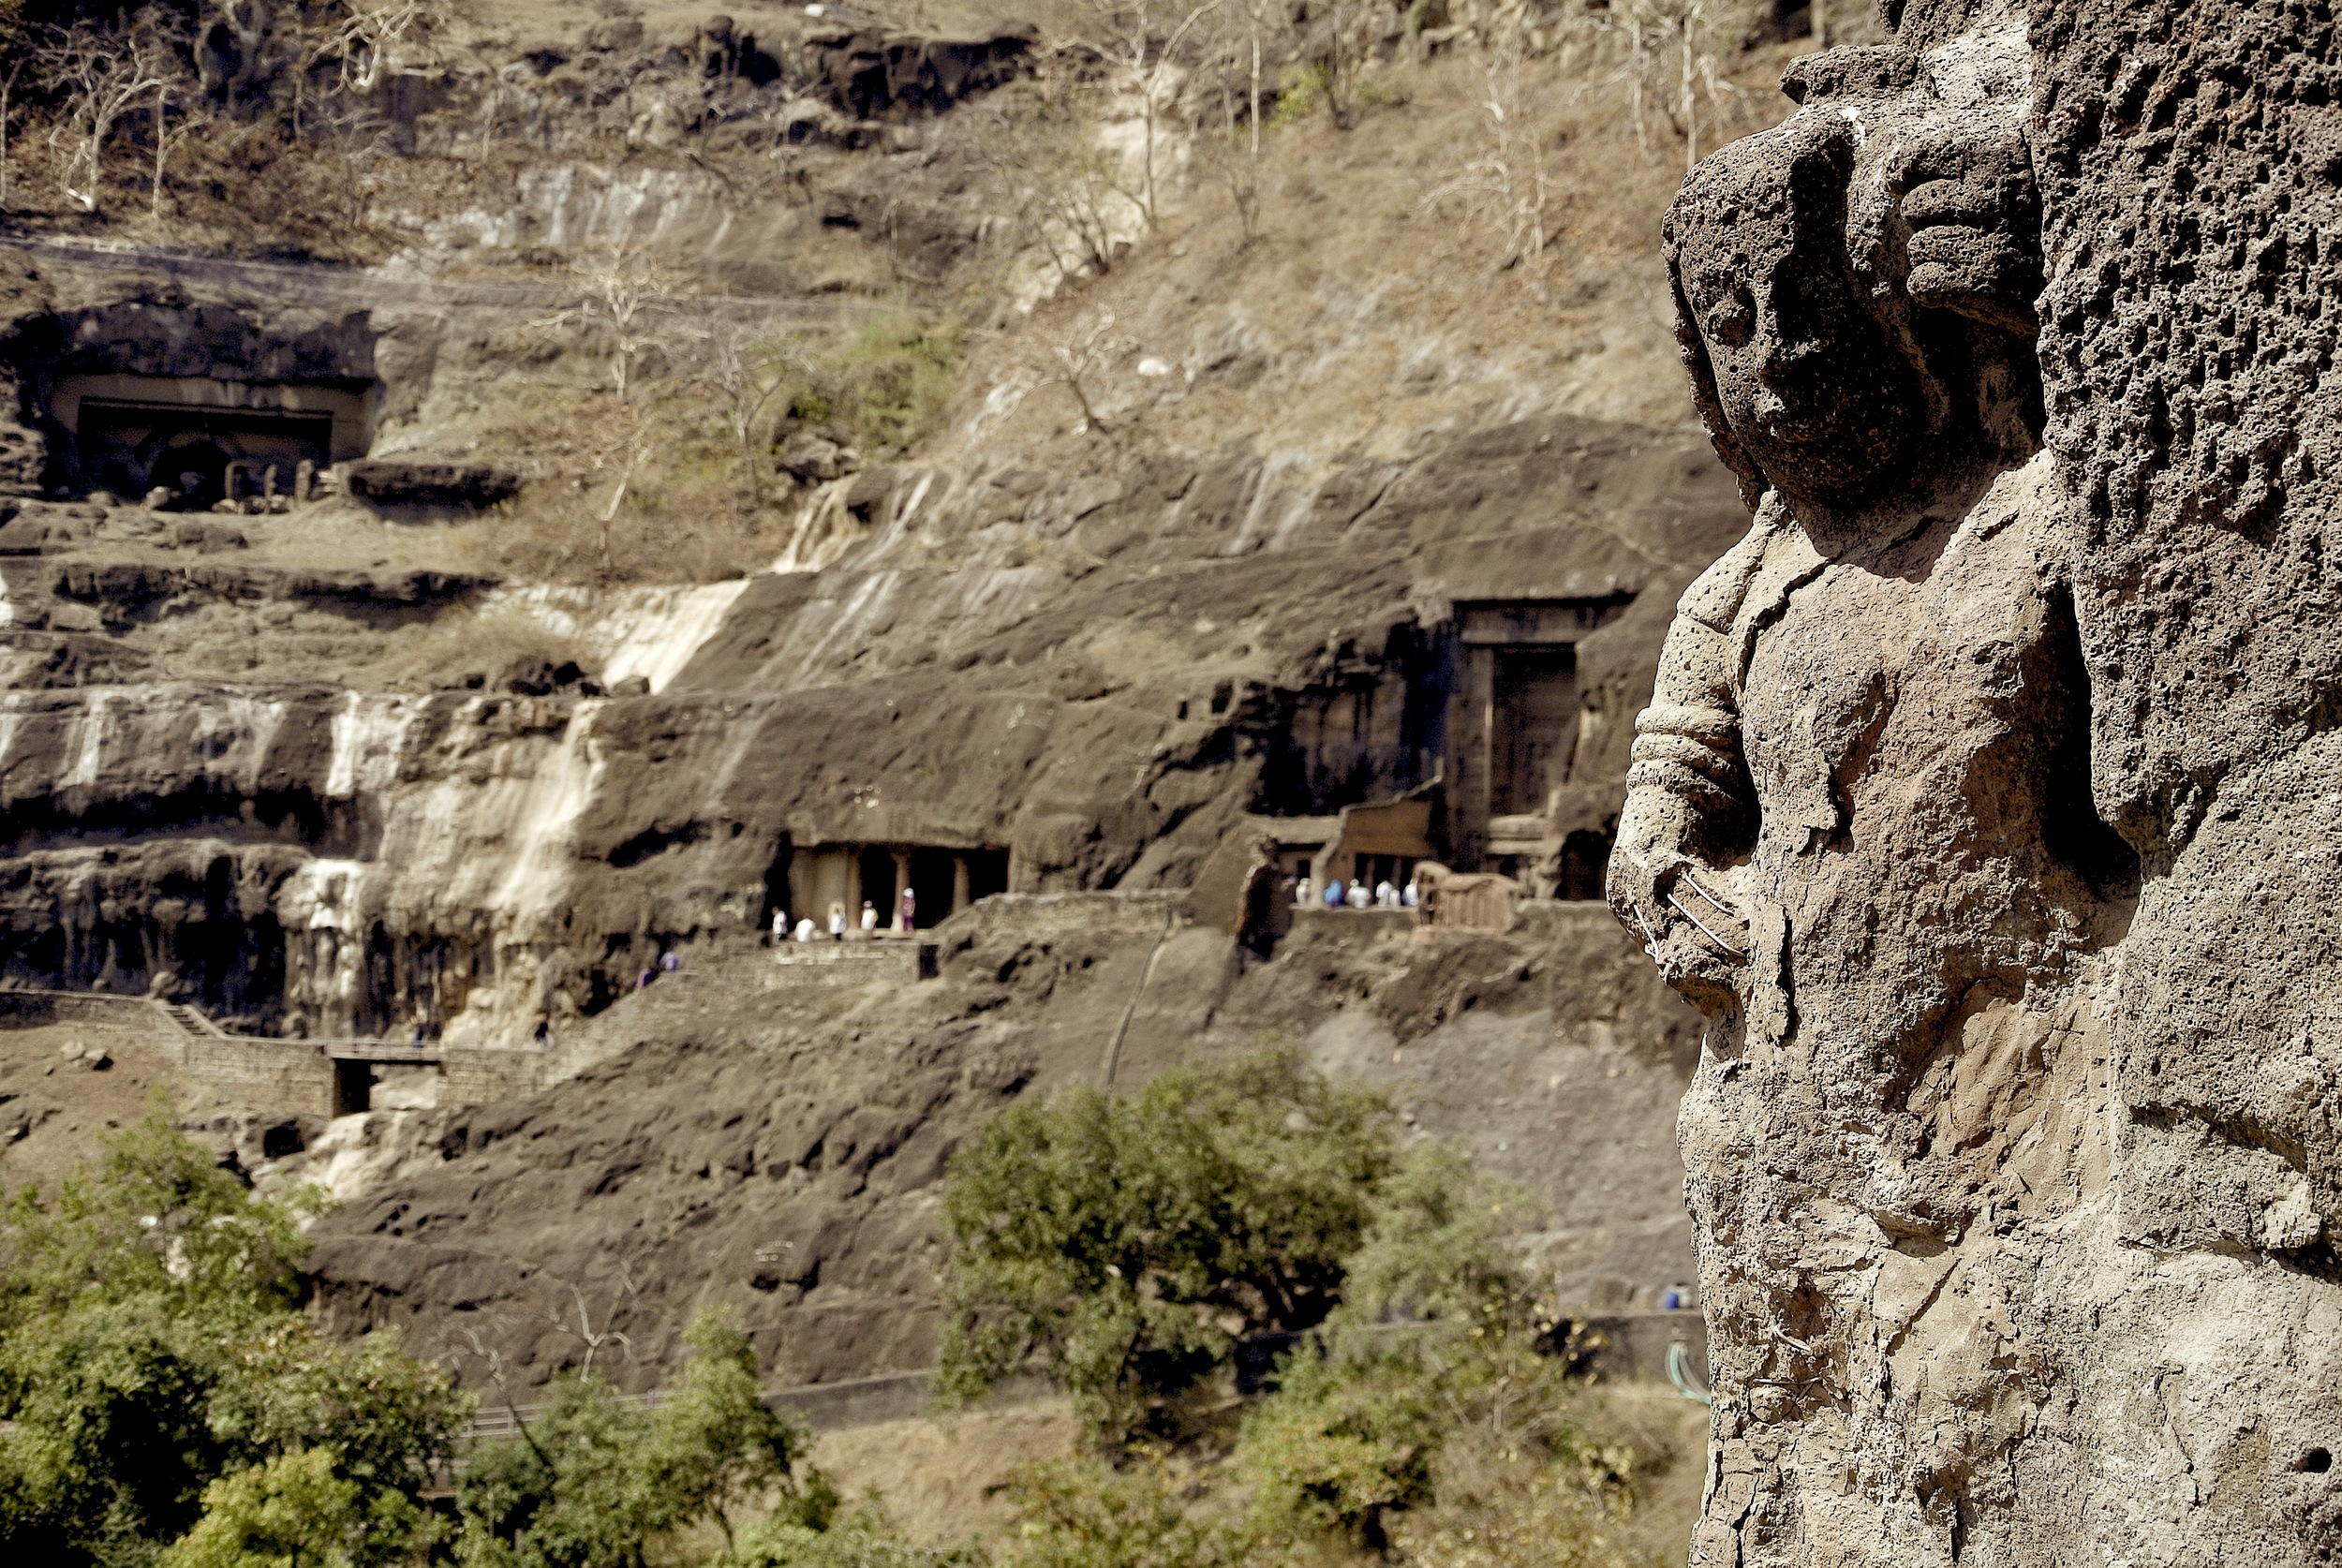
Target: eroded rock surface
(2010,1145)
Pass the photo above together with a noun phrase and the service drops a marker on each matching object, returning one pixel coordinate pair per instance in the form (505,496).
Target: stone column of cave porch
(960,884)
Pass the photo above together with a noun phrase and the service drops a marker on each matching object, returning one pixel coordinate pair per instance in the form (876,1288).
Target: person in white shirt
(1385,896)
(1360,897)
(781,925)
(804,929)
(870,917)
(838,923)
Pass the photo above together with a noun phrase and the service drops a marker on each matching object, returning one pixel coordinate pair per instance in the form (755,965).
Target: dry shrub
(1502,1504)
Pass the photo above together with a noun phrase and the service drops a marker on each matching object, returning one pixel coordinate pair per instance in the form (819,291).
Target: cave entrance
(1513,725)
(1534,727)
(878,884)
(202,438)
(1585,862)
(844,877)
(353,1087)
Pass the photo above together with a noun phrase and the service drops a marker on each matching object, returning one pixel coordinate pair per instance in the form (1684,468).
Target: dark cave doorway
(195,471)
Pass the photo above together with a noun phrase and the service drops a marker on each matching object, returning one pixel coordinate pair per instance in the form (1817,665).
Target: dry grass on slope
(1377,302)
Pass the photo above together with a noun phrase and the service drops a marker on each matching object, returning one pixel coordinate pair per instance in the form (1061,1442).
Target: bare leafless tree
(356,138)
(99,76)
(1670,67)
(747,366)
(1072,355)
(623,442)
(168,136)
(360,34)
(627,295)
(1504,189)
(8,87)
(575,1321)
(1242,23)
(1058,185)
(1131,37)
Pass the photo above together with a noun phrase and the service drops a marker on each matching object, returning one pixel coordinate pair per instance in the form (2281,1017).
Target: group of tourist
(905,921)
(1355,894)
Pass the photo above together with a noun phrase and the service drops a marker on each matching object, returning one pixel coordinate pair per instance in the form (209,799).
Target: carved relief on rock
(1859,833)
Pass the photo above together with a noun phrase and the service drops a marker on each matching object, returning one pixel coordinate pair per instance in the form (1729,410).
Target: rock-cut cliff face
(1986,802)
(999,678)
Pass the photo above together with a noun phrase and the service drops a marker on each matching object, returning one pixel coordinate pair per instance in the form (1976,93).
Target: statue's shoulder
(1715,596)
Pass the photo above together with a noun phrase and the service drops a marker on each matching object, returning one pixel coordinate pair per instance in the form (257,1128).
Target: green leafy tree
(714,1445)
(292,1511)
(593,1480)
(860,1540)
(1439,1349)
(151,1345)
(569,1490)
(1129,1244)
(158,1219)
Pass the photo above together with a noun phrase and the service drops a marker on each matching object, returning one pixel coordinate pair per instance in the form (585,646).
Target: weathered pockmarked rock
(2011,1147)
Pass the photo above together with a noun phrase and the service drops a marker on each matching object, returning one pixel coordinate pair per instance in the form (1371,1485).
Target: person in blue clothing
(1335,893)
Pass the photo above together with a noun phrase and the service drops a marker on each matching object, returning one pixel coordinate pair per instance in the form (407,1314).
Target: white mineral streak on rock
(369,738)
(359,1153)
(234,731)
(866,615)
(1266,525)
(651,633)
(470,874)
(85,745)
(11,720)
(655,636)
(536,872)
(493,857)
(322,912)
(822,530)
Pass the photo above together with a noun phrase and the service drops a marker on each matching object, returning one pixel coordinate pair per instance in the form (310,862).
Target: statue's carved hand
(1975,246)
(1690,925)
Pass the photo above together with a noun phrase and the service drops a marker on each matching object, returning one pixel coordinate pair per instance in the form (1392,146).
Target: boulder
(384,481)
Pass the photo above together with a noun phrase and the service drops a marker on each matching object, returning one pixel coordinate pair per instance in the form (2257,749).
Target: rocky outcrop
(867,73)
(2011,1140)
(391,481)
(742,1140)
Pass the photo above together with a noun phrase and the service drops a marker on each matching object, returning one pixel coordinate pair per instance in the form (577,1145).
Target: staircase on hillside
(194,1020)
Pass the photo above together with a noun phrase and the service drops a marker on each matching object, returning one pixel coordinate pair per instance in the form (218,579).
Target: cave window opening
(987,872)
(934,881)
(353,1087)
(1534,726)
(1585,861)
(877,886)
(776,885)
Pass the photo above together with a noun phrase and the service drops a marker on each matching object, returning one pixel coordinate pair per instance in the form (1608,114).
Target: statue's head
(1854,287)
(1806,381)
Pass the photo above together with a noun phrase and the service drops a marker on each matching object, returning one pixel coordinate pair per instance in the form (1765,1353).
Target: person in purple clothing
(907,921)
